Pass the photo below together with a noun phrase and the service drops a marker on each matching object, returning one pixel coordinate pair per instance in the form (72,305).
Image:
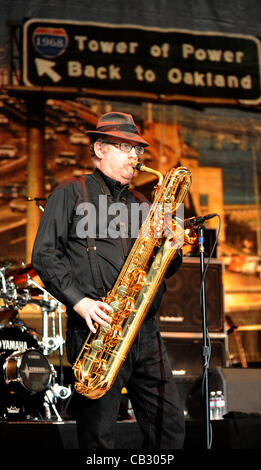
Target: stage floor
(237,432)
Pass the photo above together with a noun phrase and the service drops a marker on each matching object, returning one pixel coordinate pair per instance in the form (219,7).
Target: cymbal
(19,275)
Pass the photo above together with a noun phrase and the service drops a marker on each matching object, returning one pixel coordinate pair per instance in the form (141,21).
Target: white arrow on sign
(45,67)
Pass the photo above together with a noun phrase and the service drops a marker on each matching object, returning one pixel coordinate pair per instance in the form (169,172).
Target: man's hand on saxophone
(93,311)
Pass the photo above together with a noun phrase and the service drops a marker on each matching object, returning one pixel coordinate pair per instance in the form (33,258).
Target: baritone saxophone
(103,352)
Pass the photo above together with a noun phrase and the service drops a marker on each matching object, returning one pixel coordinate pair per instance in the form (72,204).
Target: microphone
(194,221)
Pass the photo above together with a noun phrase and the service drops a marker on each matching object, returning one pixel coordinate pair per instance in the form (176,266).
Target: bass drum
(27,371)
(25,374)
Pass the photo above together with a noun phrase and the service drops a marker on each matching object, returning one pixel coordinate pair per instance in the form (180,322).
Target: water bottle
(220,404)
(212,405)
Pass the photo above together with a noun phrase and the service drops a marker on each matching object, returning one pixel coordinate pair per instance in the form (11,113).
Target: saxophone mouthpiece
(137,166)
(141,167)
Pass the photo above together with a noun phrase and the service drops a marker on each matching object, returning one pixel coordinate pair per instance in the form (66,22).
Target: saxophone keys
(122,291)
(105,328)
(128,307)
(97,345)
(157,261)
(115,305)
(139,280)
(114,336)
(102,366)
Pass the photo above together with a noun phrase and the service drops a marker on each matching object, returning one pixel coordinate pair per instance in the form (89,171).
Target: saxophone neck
(141,167)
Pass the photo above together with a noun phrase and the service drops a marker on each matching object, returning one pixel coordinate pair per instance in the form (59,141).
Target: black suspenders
(91,248)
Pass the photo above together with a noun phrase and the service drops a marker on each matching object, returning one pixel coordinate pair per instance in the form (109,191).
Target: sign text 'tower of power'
(133,60)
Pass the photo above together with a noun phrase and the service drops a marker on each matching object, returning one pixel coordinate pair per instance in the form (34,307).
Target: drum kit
(29,388)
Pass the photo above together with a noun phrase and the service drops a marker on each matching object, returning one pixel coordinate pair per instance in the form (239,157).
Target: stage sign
(141,62)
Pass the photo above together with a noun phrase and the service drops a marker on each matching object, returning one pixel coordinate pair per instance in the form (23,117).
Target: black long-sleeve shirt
(60,255)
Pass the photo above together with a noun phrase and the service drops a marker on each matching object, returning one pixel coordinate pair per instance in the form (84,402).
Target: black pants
(147,375)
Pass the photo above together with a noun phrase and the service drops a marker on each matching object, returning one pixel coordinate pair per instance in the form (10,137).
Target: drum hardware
(11,296)
(49,309)
(50,399)
(51,344)
(2,271)
(6,298)
(12,299)
(49,403)
(60,391)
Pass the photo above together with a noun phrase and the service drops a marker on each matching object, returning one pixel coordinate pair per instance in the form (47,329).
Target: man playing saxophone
(80,267)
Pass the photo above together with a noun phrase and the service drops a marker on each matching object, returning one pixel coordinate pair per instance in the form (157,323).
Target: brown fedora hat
(120,125)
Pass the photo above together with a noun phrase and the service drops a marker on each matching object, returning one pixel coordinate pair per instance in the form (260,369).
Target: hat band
(120,127)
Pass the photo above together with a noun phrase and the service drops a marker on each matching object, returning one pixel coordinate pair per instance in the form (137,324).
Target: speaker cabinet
(180,309)
(241,389)
(185,354)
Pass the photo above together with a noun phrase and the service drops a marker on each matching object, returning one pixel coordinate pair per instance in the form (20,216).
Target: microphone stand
(205,347)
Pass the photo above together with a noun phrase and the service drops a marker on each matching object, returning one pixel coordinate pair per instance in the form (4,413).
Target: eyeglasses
(125,147)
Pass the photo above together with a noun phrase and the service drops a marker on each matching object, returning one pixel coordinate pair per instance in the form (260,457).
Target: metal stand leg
(205,350)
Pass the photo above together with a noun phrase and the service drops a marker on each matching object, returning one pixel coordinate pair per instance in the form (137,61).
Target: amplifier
(180,308)
(241,389)
(185,352)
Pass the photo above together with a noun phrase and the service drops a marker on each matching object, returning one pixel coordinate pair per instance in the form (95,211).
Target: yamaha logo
(13,345)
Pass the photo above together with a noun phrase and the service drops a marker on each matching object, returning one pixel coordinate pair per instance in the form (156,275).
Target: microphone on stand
(194,221)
